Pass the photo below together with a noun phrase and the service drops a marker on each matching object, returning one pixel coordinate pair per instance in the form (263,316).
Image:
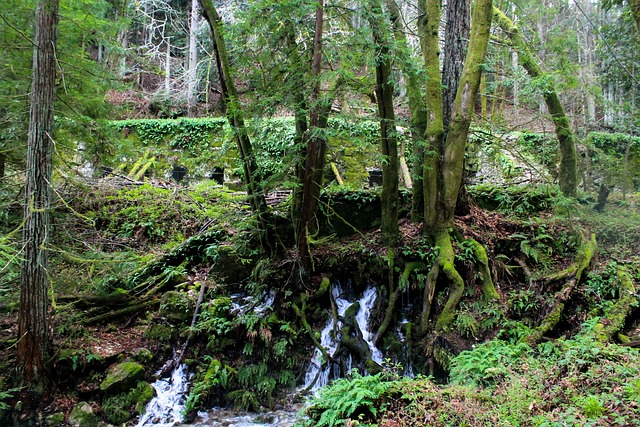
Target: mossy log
(116,314)
(573,273)
(614,319)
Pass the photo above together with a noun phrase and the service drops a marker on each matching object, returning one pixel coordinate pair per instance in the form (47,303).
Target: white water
(329,339)
(226,418)
(165,410)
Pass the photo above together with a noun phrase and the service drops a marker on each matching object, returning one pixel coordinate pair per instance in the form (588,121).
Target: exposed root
(445,260)
(614,319)
(573,274)
(394,293)
(482,262)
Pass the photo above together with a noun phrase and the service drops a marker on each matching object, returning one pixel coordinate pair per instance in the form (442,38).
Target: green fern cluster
(357,398)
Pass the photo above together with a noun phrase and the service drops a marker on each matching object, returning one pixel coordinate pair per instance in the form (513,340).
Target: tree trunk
(314,153)
(455,47)
(568,168)
(444,169)
(635,11)
(236,121)
(192,76)
(33,332)
(417,109)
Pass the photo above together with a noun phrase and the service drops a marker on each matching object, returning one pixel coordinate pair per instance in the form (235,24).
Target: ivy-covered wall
(204,143)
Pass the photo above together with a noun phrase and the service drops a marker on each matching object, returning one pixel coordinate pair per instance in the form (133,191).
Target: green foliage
(122,407)
(216,377)
(518,200)
(356,398)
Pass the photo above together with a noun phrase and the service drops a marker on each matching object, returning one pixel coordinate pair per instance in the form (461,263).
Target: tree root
(119,313)
(482,262)
(394,294)
(445,260)
(573,274)
(614,319)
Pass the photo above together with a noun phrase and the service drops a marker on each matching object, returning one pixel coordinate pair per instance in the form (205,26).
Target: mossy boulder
(122,377)
(142,355)
(176,306)
(82,416)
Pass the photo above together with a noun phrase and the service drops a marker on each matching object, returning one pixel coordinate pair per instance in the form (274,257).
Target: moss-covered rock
(54,420)
(122,377)
(176,306)
(142,355)
(120,408)
(82,416)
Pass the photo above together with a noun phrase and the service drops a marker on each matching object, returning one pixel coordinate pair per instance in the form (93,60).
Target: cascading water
(318,375)
(165,410)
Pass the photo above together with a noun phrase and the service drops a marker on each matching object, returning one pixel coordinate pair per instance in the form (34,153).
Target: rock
(54,420)
(144,392)
(122,377)
(176,306)
(142,355)
(265,419)
(82,416)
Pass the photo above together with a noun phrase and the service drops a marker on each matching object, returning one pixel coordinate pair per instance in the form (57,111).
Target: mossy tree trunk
(568,167)
(235,117)
(443,166)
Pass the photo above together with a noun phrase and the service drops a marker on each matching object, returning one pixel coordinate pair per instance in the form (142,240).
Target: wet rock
(122,377)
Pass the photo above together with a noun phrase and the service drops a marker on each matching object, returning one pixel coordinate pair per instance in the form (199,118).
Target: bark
(445,164)
(635,11)
(573,273)
(417,108)
(315,150)
(34,341)
(428,24)
(236,121)
(568,167)
(193,60)
(455,47)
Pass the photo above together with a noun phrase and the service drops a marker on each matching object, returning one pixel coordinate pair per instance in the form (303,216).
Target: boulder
(122,377)
(82,416)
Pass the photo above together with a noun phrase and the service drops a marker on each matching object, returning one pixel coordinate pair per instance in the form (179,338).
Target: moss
(445,260)
(82,416)
(614,319)
(54,420)
(118,409)
(482,261)
(122,377)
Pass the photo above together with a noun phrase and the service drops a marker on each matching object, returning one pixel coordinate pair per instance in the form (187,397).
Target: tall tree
(33,331)
(443,167)
(314,152)
(568,168)
(192,72)
(234,114)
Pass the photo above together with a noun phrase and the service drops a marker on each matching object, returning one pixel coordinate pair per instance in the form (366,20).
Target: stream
(165,410)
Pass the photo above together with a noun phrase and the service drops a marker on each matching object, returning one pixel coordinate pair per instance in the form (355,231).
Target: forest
(335,213)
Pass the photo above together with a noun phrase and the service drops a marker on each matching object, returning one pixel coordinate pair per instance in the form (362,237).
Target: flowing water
(329,338)
(165,410)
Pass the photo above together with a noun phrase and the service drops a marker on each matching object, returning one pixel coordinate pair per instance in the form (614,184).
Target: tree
(234,114)
(444,164)
(33,331)
(568,168)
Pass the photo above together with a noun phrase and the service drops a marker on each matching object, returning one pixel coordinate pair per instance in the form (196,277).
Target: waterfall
(165,410)
(329,341)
